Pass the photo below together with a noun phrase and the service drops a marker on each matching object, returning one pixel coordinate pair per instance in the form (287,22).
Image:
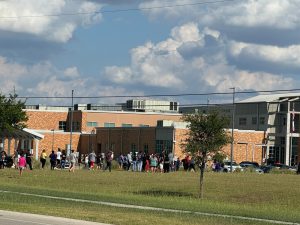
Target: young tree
(11,114)
(205,137)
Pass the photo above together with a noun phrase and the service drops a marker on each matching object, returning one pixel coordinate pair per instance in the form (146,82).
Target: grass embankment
(267,196)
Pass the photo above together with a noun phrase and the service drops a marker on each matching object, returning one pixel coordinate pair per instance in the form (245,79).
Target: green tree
(205,137)
(11,114)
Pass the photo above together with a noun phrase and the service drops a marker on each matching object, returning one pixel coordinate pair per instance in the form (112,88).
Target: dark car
(279,166)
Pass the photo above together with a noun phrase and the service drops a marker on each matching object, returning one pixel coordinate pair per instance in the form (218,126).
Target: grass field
(266,196)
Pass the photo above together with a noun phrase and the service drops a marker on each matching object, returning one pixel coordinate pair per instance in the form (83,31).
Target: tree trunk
(202,168)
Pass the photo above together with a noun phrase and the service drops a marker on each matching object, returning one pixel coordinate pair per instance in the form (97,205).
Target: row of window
(95,124)
(161,145)
(62,125)
(243,121)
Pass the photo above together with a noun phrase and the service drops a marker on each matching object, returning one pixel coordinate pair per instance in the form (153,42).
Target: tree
(11,114)
(205,137)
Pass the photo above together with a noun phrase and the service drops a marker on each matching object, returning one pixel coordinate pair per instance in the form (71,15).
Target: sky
(107,48)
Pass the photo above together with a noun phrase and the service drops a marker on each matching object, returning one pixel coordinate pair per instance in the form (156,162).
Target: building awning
(20,134)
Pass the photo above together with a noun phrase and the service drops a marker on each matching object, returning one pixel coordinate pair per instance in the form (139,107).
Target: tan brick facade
(45,121)
(247,145)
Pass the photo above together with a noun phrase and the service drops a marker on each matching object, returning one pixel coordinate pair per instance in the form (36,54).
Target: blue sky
(205,46)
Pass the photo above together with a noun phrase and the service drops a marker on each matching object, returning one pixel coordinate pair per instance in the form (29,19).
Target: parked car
(227,166)
(278,166)
(284,167)
(251,165)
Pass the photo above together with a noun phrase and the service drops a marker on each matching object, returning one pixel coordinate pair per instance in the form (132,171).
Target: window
(254,120)
(282,140)
(144,125)
(261,120)
(92,124)
(242,121)
(133,147)
(109,124)
(146,148)
(112,146)
(164,145)
(284,121)
(62,125)
(126,125)
(173,106)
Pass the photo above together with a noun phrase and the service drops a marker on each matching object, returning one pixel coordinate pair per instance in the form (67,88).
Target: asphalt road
(16,218)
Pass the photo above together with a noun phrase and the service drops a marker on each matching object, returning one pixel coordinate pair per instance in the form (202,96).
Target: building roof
(20,134)
(270,98)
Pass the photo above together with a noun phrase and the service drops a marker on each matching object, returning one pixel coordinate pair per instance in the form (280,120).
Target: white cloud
(163,65)
(45,80)
(289,56)
(38,17)
(283,14)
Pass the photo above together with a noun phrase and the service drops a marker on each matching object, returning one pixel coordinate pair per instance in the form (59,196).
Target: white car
(227,166)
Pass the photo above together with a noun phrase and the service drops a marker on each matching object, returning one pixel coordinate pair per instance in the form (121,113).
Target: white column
(8,147)
(3,144)
(29,145)
(288,136)
(36,141)
(16,144)
(22,144)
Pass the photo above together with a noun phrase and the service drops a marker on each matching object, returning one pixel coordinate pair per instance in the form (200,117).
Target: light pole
(52,139)
(232,128)
(91,142)
(93,132)
(71,124)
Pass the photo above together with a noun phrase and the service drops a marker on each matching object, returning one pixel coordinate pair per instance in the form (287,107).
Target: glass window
(146,148)
(261,120)
(112,146)
(62,125)
(126,125)
(242,121)
(133,147)
(92,124)
(254,120)
(144,125)
(175,106)
(109,124)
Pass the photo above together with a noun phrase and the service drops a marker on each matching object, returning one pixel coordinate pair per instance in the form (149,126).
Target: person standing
(92,159)
(16,159)
(109,158)
(52,157)
(43,157)
(63,159)
(73,159)
(29,159)
(2,159)
(22,164)
(58,157)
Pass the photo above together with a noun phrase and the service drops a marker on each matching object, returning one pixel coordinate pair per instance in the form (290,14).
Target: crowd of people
(163,162)
(132,161)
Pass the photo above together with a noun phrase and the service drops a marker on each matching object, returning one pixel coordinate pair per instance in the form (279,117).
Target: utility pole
(232,127)
(71,123)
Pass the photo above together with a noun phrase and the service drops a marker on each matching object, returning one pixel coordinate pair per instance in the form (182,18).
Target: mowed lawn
(265,196)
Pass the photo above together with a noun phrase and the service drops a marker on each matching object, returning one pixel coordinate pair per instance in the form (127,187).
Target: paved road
(16,218)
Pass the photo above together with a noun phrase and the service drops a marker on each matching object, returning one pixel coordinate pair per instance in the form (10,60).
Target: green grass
(267,196)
